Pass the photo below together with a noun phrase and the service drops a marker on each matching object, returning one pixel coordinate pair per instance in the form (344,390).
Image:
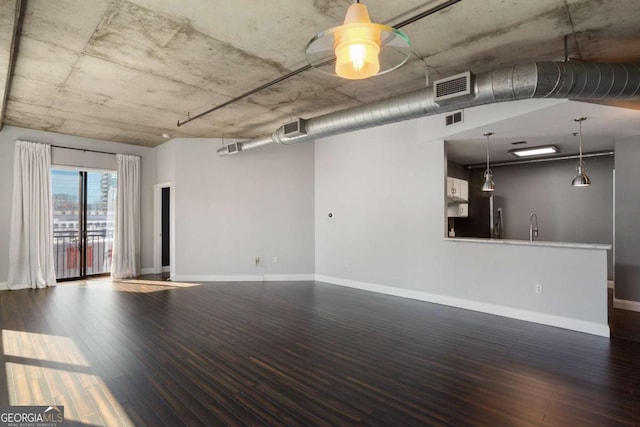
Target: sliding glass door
(83,221)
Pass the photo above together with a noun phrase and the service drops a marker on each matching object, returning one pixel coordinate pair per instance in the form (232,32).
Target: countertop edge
(596,246)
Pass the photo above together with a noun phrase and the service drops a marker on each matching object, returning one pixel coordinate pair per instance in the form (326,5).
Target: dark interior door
(165,226)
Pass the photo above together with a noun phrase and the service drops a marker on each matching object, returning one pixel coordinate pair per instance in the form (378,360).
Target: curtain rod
(83,149)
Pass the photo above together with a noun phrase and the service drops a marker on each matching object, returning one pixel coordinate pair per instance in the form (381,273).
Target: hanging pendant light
(358,49)
(581,179)
(488,184)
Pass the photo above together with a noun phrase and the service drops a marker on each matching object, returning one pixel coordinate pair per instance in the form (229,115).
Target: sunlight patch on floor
(163,283)
(141,286)
(52,348)
(33,379)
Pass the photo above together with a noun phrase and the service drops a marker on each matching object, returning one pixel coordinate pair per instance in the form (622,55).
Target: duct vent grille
(454,88)
(233,148)
(452,119)
(451,87)
(295,128)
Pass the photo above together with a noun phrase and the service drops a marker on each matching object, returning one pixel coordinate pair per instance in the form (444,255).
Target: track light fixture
(488,184)
(581,179)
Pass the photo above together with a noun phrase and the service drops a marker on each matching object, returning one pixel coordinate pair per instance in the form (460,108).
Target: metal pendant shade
(488,185)
(581,179)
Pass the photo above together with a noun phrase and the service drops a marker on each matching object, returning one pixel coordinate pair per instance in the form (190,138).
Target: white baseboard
(610,284)
(4,286)
(514,313)
(166,268)
(289,277)
(243,278)
(626,304)
(149,270)
(215,278)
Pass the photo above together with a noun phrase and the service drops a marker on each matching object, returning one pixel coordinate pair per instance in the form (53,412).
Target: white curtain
(31,263)
(126,242)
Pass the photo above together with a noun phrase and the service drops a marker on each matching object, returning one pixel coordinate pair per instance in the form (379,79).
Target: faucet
(533,227)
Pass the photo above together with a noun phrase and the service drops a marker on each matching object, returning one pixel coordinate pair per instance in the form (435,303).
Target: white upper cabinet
(458,210)
(457,190)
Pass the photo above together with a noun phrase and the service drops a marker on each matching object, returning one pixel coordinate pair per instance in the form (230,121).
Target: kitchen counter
(597,246)
(560,284)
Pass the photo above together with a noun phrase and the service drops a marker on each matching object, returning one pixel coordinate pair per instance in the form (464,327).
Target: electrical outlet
(257,260)
(538,289)
(275,259)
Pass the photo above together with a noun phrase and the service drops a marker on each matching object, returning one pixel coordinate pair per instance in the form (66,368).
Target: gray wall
(6,194)
(166,162)
(456,170)
(9,134)
(228,210)
(565,213)
(386,187)
(627,279)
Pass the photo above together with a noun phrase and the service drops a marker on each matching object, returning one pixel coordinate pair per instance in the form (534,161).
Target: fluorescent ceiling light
(535,151)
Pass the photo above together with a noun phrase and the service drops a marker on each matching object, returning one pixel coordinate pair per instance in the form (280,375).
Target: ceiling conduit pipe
(570,80)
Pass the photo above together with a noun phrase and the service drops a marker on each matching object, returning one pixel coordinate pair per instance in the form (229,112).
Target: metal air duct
(571,80)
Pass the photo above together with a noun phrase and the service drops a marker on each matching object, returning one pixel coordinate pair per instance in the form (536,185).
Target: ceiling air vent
(454,88)
(453,118)
(233,148)
(295,128)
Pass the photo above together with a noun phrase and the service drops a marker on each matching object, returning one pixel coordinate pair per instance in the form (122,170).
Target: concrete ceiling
(128,70)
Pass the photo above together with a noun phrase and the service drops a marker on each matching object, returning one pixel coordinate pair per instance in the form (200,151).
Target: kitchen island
(555,283)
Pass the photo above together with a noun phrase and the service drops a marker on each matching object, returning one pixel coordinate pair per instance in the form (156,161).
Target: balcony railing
(66,252)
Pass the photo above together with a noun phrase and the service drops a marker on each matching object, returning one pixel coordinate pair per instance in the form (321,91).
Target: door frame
(157,228)
(83,172)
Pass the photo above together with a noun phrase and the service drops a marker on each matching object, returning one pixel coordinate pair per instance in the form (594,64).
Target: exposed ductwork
(571,80)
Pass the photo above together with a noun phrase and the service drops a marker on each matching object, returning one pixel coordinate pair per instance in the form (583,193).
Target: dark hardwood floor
(623,324)
(145,352)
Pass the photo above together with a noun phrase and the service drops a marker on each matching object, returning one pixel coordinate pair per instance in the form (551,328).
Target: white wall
(373,183)
(166,162)
(386,187)
(8,136)
(6,194)
(228,210)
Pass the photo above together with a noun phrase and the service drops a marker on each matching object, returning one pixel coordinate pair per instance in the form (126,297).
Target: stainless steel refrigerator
(485,220)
